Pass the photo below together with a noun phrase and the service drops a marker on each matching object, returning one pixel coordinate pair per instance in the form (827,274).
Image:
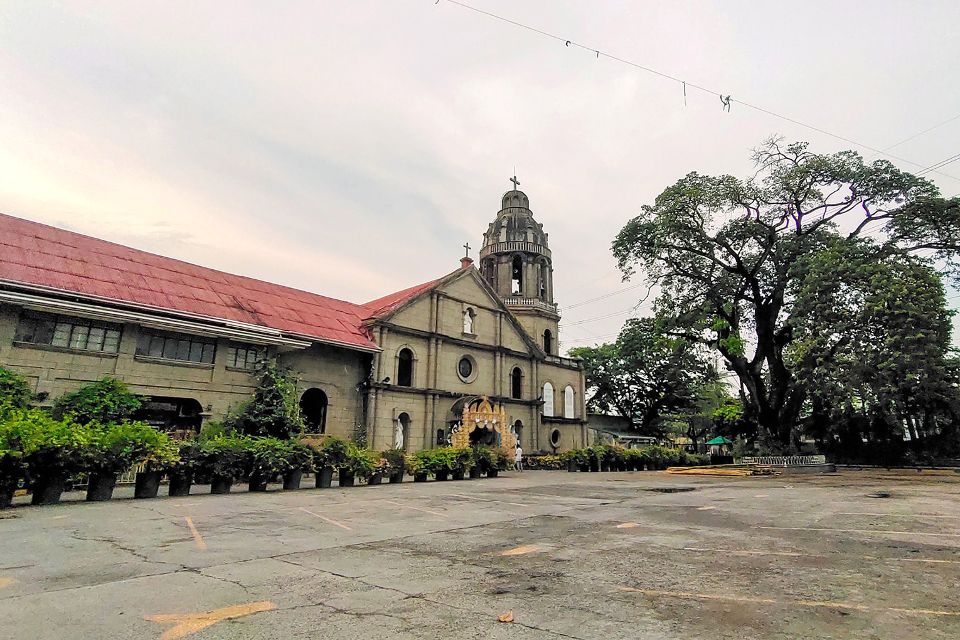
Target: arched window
(568,397)
(547,399)
(548,341)
(405,368)
(517,430)
(516,383)
(313,409)
(516,276)
(469,318)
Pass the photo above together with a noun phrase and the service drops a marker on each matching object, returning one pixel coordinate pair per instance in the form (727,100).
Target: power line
(604,317)
(937,165)
(603,297)
(725,99)
(917,135)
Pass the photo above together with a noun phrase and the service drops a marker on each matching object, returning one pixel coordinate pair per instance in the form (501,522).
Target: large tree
(728,255)
(644,376)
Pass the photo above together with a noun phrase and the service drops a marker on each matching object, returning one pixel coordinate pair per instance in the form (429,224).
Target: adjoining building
(74,309)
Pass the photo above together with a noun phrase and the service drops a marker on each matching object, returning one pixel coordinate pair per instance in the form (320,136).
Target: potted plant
(53,450)
(161,455)
(441,463)
(381,469)
(360,462)
(395,458)
(463,460)
(267,458)
(476,455)
(502,463)
(416,467)
(332,454)
(12,467)
(181,473)
(299,458)
(224,458)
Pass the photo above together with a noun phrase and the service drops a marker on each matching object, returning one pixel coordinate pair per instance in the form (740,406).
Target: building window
(175,346)
(405,368)
(516,383)
(548,341)
(516,276)
(467,369)
(313,410)
(568,408)
(244,357)
(547,399)
(68,333)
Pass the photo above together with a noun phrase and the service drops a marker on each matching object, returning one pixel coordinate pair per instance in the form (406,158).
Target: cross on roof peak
(516,183)
(467,248)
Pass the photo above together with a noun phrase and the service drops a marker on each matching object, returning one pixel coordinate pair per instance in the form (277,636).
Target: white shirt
(519,455)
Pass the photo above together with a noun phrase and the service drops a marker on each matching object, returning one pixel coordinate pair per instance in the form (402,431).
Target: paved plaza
(613,555)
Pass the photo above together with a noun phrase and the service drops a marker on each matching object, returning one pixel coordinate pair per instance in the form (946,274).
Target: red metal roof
(38,254)
(382,306)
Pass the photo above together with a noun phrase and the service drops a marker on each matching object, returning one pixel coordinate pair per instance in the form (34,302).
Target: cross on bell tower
(516,183)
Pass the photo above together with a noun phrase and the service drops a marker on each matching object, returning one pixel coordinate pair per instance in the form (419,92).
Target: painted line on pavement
(6,582)
(907,533)
(825,604)
(197,538)
(326,519)
(628,525)
(795,554)
(407,506)
(186,624)
(522,550)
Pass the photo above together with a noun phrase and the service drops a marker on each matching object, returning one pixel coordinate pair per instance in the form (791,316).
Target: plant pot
(376,478)
(458,474)
(604,466)
(493,473)
(442,475)
(572,466)
(100,486)
(291,480)
(180,484)
(148,484)
(347,478)
(6,494)
(47,490)
(585,467)
(474,473)
(324,478)
(396,478)
(221,484)
(258,482)
(420,477)
(594,466)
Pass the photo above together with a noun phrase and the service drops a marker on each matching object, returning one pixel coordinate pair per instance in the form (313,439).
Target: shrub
(333,452)
(14,391)
(395,458)
(274,410)
(225,456)
(113,448)
(49,447)
(544,462)
(362,462)
(105,401)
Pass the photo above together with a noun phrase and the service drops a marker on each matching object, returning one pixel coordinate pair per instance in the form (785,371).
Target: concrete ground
(613,555)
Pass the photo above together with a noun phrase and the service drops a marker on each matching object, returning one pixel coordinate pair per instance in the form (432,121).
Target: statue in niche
(398,435)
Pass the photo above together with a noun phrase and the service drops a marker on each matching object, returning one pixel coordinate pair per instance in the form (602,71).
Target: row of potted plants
(611,458)
(46,452)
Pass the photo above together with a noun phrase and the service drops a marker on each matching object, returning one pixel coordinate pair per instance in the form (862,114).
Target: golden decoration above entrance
(485,423)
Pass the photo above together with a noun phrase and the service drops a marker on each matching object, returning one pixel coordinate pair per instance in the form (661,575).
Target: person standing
(518,458)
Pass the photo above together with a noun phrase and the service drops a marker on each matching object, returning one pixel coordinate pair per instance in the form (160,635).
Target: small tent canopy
(719,440)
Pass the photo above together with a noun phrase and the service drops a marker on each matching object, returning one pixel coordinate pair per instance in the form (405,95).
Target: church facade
(74,309)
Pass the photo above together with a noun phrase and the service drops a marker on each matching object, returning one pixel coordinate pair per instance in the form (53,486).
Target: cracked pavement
(594,556)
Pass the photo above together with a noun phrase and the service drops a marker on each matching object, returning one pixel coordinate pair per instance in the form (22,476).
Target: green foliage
(105,401)
(274,410)
(113,448)
(736,261)
(47,446)
(225,456)
(395,458)
(272,456)
(14,391)
(653,457)
(546,462)
(644,376)
(333,452)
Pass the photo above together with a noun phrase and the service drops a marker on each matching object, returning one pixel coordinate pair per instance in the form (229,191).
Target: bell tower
(515,260)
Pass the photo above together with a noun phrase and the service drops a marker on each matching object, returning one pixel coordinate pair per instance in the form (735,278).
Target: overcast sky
(351,147)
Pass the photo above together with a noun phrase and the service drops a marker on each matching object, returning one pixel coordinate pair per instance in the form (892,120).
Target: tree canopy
(744,267)
(644,375)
